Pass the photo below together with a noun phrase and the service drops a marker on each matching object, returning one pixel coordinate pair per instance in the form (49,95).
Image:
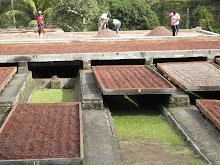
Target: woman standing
(175,17)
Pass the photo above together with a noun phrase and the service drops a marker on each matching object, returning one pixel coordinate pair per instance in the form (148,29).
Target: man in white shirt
(175,17)
(116,23)
(103,20)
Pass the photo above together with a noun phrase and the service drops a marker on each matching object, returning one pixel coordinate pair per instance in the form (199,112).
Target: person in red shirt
(40,22)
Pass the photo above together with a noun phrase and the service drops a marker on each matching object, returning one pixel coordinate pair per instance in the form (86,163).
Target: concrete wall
(88,57)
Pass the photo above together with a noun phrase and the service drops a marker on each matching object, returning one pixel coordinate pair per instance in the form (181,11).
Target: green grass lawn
(53,95)
(146,127)
(150,125)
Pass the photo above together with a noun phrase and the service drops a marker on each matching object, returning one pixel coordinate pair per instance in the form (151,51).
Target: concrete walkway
(14,91)
(100,143)
(201,130)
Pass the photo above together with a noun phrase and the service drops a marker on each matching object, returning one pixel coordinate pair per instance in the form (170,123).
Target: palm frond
(42,4)
(32,23)
(12,13)
(31,4)
(48,11)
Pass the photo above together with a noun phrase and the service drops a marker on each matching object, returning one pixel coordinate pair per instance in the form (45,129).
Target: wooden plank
(81,131)
(59,161)
(138,91)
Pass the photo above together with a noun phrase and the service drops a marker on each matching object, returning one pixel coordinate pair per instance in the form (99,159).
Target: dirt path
(95,47)
(145,152)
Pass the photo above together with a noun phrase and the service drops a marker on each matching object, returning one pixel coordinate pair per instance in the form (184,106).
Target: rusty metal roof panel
(6,74)
(211,109)
(193,76)
(131,80)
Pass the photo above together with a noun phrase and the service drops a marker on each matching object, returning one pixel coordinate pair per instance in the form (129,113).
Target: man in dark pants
(40,22)
(175,17)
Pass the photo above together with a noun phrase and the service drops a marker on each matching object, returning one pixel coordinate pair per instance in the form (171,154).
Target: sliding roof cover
(131,80)
(193,76)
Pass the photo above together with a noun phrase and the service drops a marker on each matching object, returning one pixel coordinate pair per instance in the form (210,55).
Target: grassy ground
(53,95)
(152,127)
(146,125)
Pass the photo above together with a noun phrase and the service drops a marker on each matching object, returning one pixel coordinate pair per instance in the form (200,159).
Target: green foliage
(74,15)
(164,7)
(151,64)
(134,15)
(196,95)
(204,17)
(5,21)
(206,14)
(24,12)
(32,23)
(132,101)
(69,15)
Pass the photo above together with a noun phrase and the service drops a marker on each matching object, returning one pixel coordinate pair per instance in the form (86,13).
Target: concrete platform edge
(171,119)
(114,135)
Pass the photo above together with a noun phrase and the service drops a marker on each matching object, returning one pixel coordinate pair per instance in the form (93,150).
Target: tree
(204,17)
(25,11)
(164,7)
(5,21)
(76,15)
(205,13)
(134,14)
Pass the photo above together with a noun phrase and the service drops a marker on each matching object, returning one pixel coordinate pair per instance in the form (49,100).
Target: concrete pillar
(22,67)
(179,98)
(87,64)
(56,83)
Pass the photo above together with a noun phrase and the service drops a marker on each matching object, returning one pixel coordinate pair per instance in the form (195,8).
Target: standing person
(116,23)
(40,22)
(103,20)
(175,17)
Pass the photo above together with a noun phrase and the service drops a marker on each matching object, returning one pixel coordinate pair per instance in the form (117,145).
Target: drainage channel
(125,108)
